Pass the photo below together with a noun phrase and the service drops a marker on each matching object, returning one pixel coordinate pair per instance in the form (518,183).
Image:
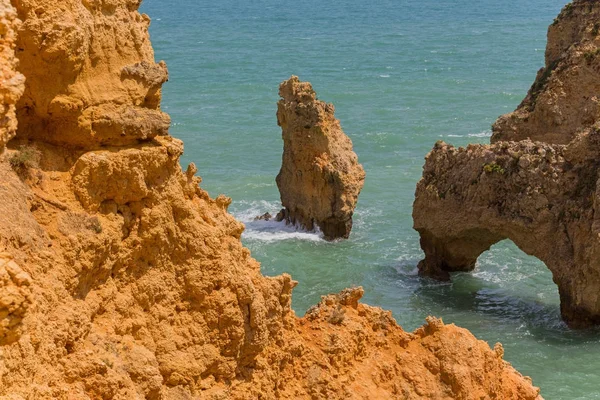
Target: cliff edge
(121,278)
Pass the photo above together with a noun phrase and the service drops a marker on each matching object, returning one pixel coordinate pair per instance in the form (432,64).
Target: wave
(273,231)
(270,231)
(481,134)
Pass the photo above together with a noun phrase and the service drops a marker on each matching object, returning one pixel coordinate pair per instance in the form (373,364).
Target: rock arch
(542,197)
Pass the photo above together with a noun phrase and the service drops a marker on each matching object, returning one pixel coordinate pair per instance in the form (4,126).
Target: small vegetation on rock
(493,168)
(591,55)
(26,158)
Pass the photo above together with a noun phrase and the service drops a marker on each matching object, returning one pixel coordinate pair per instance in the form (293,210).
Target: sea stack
(543,195)
(320,177)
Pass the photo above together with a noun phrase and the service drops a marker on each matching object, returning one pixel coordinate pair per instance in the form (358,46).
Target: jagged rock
(15,298)
(564,99)
(264,217)
(91,76)
(11,81)
(542,196)
(141,286)
(320,177)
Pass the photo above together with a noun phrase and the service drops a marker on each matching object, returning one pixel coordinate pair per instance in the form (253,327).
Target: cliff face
(320,177)
(563,101)
(11,82)
(90,73)
(542,196)
(121,278)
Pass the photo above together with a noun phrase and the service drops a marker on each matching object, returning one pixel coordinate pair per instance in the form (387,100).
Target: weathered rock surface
(120,278)
(320,177)
(542,196)
(91,78)
(11,81)
(564,99)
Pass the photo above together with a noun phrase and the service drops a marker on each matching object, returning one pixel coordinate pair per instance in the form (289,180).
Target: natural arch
(542,197)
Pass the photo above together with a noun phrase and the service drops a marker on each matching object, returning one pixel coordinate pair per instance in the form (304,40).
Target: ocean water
(402,75)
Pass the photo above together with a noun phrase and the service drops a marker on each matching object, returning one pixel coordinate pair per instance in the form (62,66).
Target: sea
(402,75)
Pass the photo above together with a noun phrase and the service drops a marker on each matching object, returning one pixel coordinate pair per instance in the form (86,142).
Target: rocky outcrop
(121,278)
(320,177)
(11,81)
(543,196)
(563,101)
(91,78)
(15,298)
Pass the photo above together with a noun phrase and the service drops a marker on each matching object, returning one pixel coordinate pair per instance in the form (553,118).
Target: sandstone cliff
(540,195)
(563,101)
(120,278)
(320,177)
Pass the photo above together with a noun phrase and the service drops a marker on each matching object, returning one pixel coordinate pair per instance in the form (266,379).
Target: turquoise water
(402,74)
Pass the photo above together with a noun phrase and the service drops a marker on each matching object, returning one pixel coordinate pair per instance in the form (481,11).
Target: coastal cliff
(563,101)
(320,177)
(542,195)
(121,278)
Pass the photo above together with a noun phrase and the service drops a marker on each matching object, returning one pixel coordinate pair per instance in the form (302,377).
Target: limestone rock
(564,99)
(320,177)
(542,197)
(11,81)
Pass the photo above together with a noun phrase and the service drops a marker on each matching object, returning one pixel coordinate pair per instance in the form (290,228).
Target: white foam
(270,231)
(273,231)
(481,134)
(384,76)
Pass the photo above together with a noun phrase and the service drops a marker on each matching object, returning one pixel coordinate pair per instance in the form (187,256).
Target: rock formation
(99,85)
(120,278)
(541,196)
(11,82)
(320,177)
(564,99)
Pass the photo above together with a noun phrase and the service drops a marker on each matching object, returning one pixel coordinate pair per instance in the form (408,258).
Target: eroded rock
(564,99)
(91,75)
(141,285)
(541,195)
(15,298)
(320,177)
(11,81)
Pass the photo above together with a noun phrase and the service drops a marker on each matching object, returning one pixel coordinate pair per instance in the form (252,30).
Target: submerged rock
(320,177)
(543,196)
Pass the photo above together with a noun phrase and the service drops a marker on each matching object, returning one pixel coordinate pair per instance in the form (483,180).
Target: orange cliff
(121,278)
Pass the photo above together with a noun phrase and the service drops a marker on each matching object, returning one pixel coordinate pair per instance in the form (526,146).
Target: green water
(402,74)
